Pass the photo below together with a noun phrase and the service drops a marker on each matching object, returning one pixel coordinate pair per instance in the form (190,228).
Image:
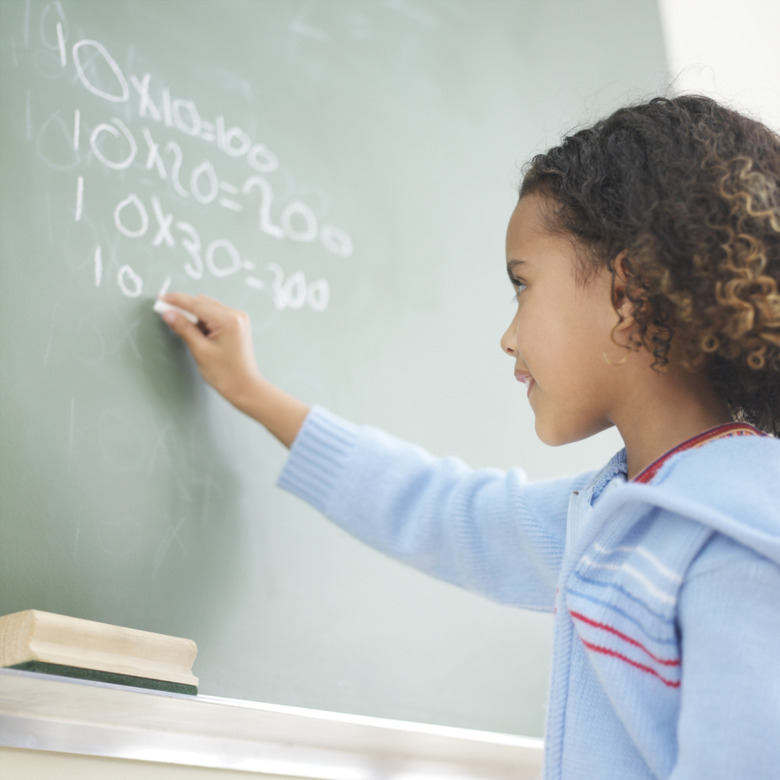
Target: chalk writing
(98,266)
(134,139)
(79,198)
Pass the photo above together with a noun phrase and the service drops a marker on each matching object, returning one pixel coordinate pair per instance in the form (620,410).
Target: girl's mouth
(526,379)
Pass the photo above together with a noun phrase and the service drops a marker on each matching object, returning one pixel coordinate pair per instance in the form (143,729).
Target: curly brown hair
(690,192)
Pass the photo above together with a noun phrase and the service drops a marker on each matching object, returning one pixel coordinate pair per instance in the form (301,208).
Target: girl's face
(560,333)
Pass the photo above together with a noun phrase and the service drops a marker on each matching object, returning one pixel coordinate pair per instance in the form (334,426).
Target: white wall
(727,49)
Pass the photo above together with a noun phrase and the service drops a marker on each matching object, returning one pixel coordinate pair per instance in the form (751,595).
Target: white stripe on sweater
(649,586)
(659,566)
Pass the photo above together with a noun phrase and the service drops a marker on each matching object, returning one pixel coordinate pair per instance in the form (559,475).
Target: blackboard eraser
(39,641)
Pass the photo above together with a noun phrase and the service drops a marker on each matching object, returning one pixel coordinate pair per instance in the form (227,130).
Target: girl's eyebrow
(512,265)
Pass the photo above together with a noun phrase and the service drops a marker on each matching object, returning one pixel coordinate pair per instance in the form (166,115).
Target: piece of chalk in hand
(161,307)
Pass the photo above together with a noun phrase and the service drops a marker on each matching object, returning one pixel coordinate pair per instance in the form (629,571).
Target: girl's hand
(221,344)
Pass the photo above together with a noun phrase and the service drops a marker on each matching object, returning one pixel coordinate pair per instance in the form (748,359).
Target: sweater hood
(731,485)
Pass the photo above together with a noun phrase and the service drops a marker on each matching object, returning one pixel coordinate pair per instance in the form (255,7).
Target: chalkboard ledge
(46,713)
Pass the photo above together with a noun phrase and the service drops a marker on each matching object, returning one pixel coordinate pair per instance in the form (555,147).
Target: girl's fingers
(192,334)
(206,309)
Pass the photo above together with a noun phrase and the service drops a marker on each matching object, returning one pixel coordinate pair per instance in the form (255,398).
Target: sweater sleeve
(484,530)
(729,723)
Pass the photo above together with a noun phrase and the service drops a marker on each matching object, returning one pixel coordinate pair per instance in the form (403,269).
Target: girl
(645,257)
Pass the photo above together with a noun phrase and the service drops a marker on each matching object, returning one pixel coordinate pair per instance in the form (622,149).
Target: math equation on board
(149,132)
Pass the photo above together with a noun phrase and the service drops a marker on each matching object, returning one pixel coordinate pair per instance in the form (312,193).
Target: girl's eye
(519,288)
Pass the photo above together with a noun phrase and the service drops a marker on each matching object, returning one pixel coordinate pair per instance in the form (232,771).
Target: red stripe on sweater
(635,664)
(719,432)
(625,638)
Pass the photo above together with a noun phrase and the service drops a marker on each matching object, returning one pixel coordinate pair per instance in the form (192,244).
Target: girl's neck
(666,410)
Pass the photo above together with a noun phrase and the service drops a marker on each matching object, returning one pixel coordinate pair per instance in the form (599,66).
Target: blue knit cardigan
(666,648)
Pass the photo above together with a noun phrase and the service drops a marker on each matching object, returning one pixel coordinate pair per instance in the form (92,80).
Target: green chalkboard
(343,170)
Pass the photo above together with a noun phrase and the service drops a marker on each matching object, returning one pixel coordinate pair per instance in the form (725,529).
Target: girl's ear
(625,307)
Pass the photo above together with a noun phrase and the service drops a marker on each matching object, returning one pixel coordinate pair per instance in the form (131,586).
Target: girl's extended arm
(221,345)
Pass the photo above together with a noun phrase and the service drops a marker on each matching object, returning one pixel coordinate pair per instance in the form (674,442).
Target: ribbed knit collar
(719,432)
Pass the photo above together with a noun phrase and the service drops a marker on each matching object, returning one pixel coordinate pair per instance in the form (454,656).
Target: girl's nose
(507,341)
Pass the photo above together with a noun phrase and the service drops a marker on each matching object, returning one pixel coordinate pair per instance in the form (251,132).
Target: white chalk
(161,307)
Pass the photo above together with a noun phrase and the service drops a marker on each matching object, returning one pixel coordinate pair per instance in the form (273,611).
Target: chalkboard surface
(343,170)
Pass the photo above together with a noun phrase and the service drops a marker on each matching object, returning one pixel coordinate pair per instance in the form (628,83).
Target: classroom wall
(726,50)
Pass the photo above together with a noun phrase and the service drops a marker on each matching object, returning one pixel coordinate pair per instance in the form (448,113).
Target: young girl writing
(645,257)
